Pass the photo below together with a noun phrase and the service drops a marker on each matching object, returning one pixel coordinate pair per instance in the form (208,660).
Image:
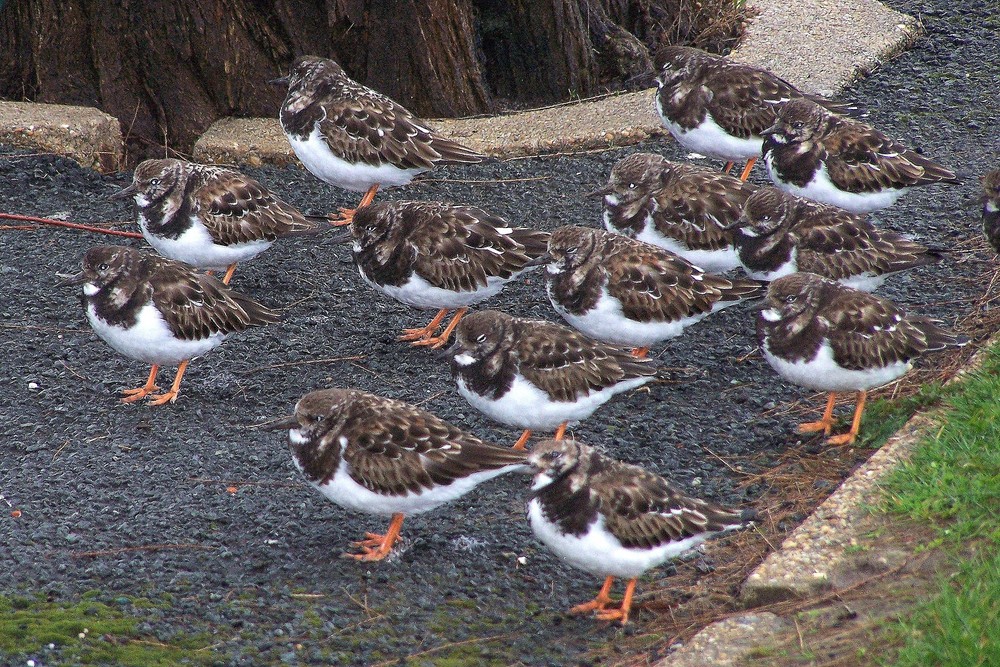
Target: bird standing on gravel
(814,153)
(441,256)
(720,108)
(679,207)
(535,374)
(818,334)
(160,311)
(377,455)
(991,208)
(208,217)
(780,234)
(355,138)
(613,519)
(627,292)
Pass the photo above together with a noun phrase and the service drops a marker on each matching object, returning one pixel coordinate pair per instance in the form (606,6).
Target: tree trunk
(167,69)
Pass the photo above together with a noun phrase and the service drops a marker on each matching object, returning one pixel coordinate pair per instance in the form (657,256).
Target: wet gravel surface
(133,501)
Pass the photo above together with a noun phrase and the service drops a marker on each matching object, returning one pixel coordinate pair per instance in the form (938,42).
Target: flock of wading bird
(805,245)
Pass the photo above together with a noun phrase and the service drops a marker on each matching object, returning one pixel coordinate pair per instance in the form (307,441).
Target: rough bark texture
(168,69)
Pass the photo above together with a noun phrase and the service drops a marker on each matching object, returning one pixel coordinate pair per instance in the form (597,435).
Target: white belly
(150,340)
(197,248)
(527,406)
(821,373)
(822,189)
(419,293)
(317,157)
(344,491)
(711,140)
(606,321)
(712,261)
(599,552)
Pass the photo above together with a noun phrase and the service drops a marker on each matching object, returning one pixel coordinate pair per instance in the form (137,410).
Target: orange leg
(133,395)
(849,437)
(171,396)
(427,331)
(375,546)
(825,423)
(560,432)
(729,167)
(640,352)
(229,273)
(523,440)
(347,214)
(746,170)
(600,603)
(622,613)
(439,341)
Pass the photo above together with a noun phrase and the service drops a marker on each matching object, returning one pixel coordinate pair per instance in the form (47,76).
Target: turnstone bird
(351,136)
(818,334)
(436,255)
(676,206)
(780,234)
(208,217)
(814,153)
(535,374)
(160,311)
(377,455)
(991,208)
(614,519)
(627,292)
(720,108)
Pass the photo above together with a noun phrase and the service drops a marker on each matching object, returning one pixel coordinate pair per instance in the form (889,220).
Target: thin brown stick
(328,360)
(145,547)
(442,647)
(483,181)
(71,225)
(242,482)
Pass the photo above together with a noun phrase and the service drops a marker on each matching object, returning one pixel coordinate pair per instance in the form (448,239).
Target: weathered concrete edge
(813,558)
(84,134)
(781,37)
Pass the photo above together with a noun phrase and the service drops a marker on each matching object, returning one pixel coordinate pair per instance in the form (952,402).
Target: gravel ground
(256,572)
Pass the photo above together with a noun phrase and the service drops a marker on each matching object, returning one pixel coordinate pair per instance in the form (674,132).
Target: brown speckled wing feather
(868,332)
(643,510)
(460,247)
(745,99)
(396,448)
(196,305)
(659,287)
(362,125)
(694,206)
(838,244)
(562,362)
(238,209)
(861,159)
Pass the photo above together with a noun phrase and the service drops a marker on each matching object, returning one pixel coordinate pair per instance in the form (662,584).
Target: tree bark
(167,69)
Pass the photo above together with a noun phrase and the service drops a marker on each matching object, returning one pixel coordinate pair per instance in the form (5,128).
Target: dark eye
(481,338)
(103,267)
(154,182)
(798,125)
(790,298)
(554,455)
(370,228)
(631,186)
(571,250)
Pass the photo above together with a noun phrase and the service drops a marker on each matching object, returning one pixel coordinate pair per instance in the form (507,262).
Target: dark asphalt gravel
(97,482)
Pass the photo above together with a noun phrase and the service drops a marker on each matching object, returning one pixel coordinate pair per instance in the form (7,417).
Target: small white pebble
(522,560)
(82,635)
(31,663)
(32,386)
(52,647)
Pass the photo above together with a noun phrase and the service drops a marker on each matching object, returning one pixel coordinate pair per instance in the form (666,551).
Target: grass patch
(884,416)
(952,484)
(29,625)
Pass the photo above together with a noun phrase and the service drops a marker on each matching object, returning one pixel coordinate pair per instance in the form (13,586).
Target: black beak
(281,424)
(600,192)
(447,353)
(736,225)
(541,260)
(341,235)
(76,279)
(769,131)
(280,81)
(124,192)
